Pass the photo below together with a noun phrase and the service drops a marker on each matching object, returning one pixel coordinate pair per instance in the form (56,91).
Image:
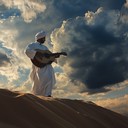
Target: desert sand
(20,110)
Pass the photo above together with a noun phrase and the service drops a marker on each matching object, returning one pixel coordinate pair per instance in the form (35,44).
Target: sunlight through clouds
(92,44)
(29,8)
(116,104)
(93,33)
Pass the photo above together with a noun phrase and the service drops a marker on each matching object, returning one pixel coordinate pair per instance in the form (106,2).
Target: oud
(45,57)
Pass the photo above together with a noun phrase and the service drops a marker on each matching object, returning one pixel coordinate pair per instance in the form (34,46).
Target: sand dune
(19,110)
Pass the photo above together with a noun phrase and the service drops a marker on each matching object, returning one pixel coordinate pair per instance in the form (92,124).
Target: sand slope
(28,111)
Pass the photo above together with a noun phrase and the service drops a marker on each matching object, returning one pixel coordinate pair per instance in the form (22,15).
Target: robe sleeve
(30,52)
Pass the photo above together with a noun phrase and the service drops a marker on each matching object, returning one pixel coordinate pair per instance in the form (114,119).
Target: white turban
(40,35)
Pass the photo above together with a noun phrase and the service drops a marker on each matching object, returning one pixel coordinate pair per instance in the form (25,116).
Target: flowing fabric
(43,78)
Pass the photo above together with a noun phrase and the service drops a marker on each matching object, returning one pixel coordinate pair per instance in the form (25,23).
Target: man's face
(41,40)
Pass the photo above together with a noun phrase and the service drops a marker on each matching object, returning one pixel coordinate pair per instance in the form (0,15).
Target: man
(43,78)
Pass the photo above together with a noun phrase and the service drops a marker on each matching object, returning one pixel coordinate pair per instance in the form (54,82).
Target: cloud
(24,87)
(29,9)
(95,49)
(64,83)
(48,16)
(52,13)
(116,104)
(113,100)
(71,9)
(110,4)
(4,60)
(126,4)
(10,66)
(124,14)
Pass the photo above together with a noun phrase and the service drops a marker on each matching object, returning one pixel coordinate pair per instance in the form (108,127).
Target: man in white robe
(43,78)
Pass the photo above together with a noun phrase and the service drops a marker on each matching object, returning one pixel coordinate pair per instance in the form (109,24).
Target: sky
(93,33)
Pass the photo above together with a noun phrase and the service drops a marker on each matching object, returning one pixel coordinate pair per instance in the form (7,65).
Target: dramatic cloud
(43,14)
(29,9)
(20,20)
(96,48)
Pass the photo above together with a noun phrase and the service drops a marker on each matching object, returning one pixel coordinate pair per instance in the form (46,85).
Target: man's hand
(57,56)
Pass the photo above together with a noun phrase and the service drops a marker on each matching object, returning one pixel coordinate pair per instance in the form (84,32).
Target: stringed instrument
(45,57)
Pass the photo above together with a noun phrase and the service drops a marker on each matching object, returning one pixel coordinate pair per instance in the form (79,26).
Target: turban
(40,35)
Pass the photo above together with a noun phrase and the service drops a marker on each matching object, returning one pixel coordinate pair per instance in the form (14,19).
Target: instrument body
(45,57)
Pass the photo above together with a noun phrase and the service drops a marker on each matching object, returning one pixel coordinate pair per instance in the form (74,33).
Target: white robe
(43,78)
